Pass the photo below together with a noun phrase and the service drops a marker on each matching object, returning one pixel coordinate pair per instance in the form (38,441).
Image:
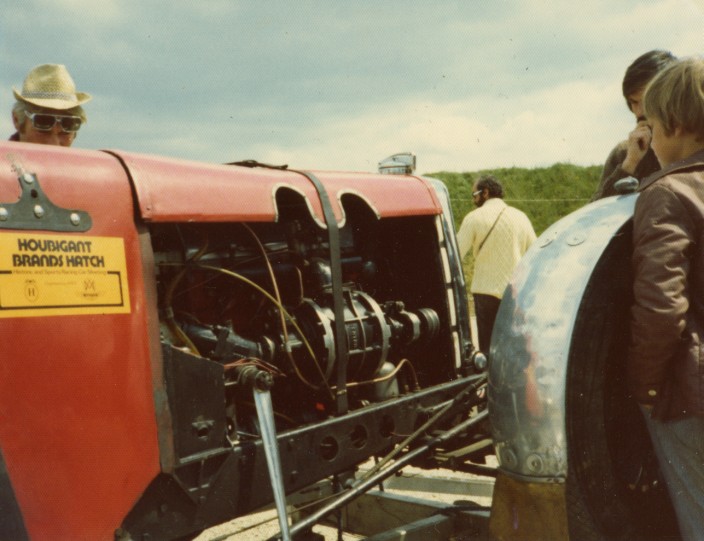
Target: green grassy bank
(544,194)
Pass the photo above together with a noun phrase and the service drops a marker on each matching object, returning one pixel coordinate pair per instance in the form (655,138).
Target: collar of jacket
(497,202)
(696,159)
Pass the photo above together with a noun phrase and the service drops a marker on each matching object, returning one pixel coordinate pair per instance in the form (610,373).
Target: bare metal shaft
(265,414)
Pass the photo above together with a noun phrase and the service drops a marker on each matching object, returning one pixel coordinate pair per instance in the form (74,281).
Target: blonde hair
(675,97)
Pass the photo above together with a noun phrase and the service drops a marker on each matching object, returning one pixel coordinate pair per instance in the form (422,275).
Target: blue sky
(465,85)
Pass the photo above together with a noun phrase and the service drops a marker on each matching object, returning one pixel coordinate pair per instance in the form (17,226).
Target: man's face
(56,135)
(635,103)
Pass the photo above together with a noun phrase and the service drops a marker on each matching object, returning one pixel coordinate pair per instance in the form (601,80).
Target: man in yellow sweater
(498,235)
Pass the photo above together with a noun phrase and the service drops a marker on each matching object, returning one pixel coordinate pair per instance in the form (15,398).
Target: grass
(545,194)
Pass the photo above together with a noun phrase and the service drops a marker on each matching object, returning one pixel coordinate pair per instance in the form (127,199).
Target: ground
(435,485)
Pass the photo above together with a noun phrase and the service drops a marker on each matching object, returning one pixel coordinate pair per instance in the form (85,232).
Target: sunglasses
(46,122)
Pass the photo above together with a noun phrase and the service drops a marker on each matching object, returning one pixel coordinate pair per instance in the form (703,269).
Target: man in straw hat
(48,109)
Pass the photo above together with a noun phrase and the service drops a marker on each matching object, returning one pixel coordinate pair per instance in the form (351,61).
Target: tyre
(613,487)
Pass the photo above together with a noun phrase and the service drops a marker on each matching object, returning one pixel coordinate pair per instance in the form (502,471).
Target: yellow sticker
(46,275)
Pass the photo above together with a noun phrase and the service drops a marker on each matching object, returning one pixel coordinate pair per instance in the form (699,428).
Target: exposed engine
(263,306)
(219,337)
(262,296)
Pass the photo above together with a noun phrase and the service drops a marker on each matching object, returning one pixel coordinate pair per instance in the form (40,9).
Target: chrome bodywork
(533,336)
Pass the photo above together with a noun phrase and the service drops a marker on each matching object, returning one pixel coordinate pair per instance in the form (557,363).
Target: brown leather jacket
(666,358)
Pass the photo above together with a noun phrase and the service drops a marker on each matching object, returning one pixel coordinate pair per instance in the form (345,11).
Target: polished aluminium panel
(530,345)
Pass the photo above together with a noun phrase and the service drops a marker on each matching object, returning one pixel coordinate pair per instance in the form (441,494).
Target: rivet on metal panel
(3,214)
(576,239)
(75,218)
(38,211)
(547,239)
(28,178)
(534,462)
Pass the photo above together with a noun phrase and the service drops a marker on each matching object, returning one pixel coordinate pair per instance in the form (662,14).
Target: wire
(253,361)
(529,200)
(274,283)
(387,376)
(287,315)
(181,335)
(168,299)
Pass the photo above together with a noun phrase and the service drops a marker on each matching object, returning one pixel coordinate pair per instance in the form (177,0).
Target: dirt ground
(442,486)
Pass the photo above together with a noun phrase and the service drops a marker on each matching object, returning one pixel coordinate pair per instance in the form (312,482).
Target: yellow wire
(168,298)
(386,377)
(288,316)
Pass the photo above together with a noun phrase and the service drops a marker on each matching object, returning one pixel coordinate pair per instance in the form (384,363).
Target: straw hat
(50,86)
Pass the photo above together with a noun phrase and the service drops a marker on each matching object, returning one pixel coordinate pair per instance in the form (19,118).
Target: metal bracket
(34,210)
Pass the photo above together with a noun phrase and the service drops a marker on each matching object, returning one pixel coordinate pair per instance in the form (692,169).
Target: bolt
(75,218)
(480,361)
(4,214)
(29,179)
(38,211)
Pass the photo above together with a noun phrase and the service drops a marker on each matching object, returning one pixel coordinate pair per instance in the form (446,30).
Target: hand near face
(638,145)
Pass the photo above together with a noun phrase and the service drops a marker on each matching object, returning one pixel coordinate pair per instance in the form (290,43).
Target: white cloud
(472,85)
(574,122)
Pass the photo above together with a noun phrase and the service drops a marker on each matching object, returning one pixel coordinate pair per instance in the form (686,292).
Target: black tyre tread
(607,440)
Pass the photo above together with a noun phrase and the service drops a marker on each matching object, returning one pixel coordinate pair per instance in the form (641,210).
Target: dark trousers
(485,307)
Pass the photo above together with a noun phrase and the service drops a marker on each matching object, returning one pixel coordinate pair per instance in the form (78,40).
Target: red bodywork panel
(79,422)
(77,418)
(178,191)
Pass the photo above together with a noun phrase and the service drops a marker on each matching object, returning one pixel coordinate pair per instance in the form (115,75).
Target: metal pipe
(463,395)
(369,482)
(265,414)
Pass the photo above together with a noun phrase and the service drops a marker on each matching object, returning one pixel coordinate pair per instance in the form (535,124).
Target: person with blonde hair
(666,353)
(48,109)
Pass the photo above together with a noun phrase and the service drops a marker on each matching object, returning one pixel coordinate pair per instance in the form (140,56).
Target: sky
(463,84)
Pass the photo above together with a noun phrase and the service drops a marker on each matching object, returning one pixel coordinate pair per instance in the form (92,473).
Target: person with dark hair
(498,236)
(634,157)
